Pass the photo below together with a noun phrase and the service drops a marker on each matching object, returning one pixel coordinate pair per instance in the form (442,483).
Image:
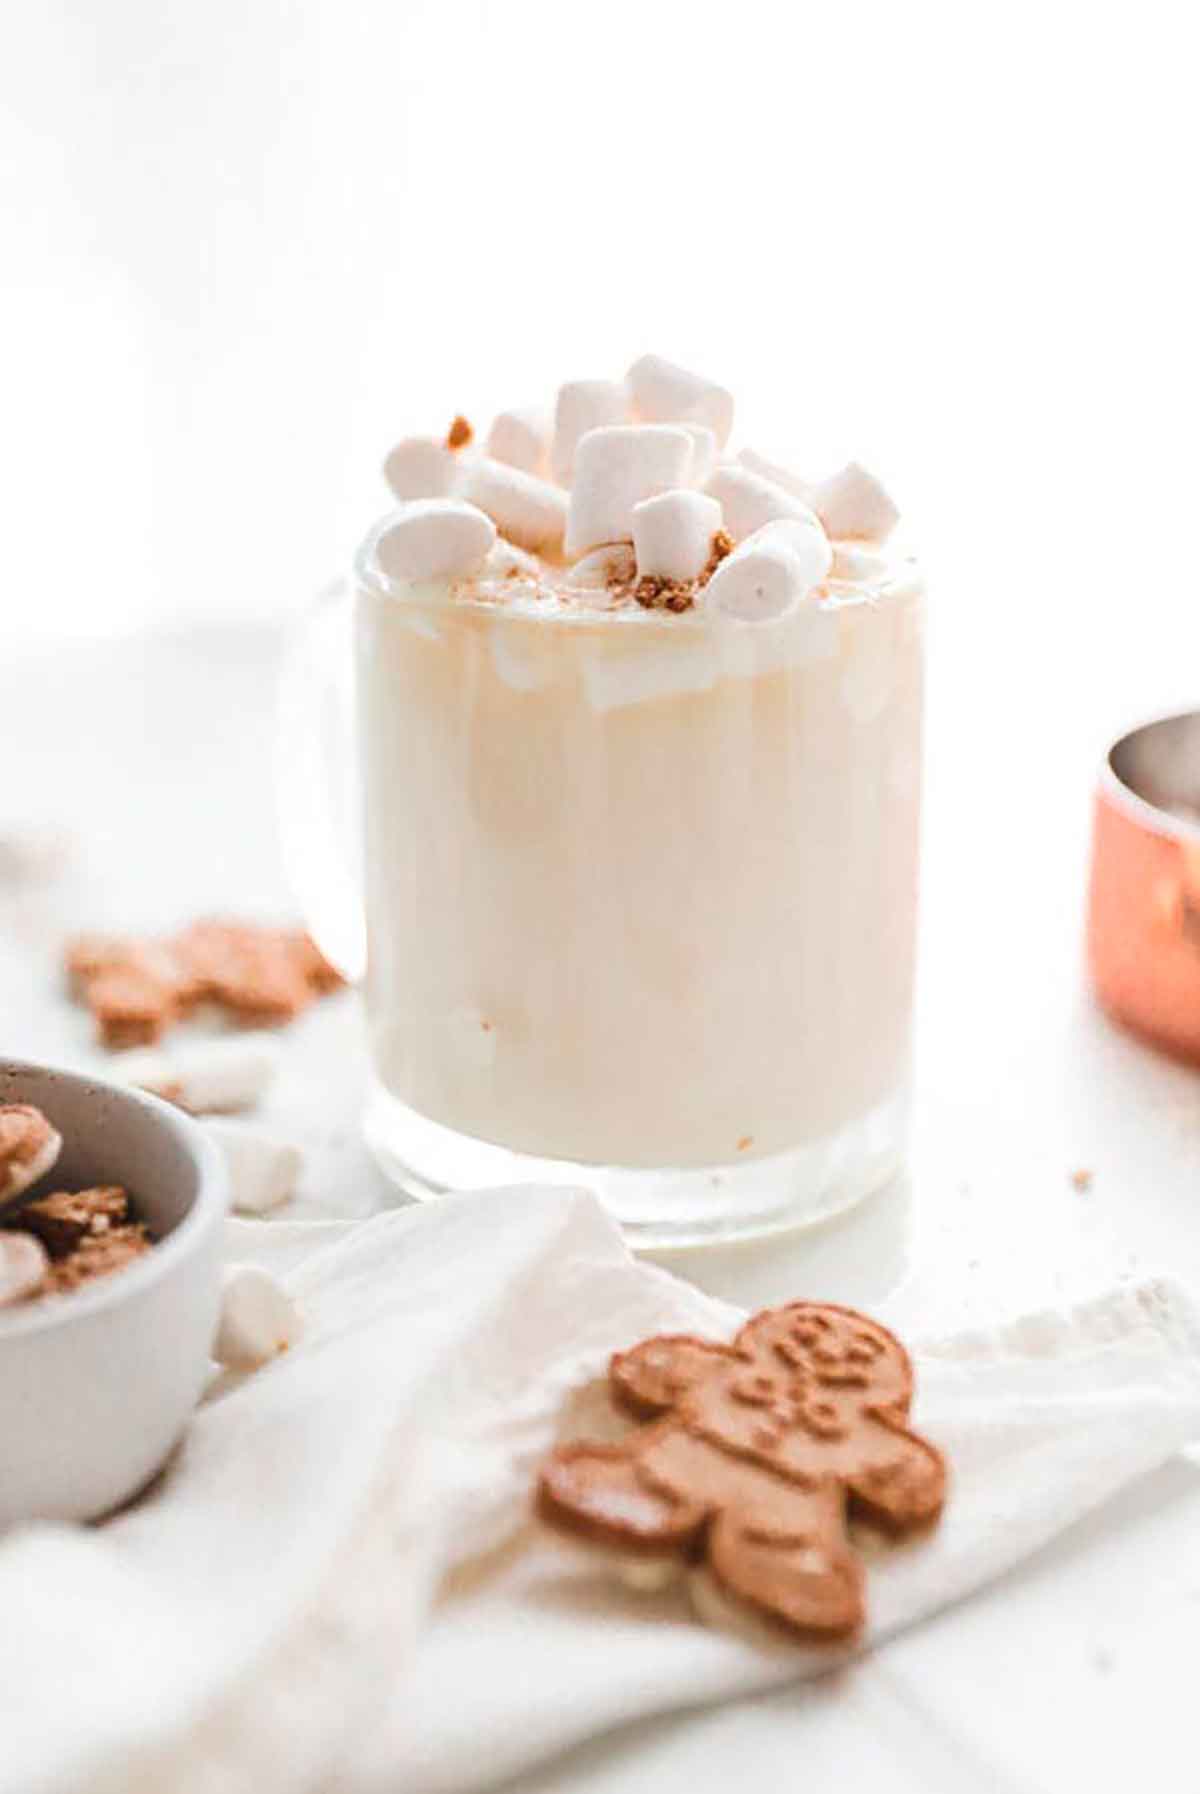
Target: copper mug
(1144,904)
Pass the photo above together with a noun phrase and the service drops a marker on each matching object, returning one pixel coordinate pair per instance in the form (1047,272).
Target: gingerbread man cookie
(755,1456)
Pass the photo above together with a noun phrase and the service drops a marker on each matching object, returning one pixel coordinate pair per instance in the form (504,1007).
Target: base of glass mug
(663,1206)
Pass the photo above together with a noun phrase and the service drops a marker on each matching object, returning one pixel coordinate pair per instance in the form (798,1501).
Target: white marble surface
(1076,1673)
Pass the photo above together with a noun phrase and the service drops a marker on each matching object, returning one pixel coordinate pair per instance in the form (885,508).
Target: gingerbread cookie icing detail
(754,1458)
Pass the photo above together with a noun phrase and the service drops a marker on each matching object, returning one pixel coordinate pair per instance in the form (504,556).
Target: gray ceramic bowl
(97,1386)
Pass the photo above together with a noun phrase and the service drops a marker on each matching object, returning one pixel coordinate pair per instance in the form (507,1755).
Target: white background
(246,245)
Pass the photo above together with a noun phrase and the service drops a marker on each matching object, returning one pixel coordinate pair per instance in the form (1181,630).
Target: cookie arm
(598,1492)
(904,1483)
(652,1377)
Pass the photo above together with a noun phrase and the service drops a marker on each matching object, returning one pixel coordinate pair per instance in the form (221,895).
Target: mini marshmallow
(611,565)
(29,1147)
(23,1267)
(584,405)
(704,453)
(853,503)
(435,538)
(778,476)
(258,1319)
(673,534)
(521,439)
(218,1076)
(666,394)
(529,511)
(615,468)
(770,574)
(263,1170)
(857,565)
(419,467)
(748,501)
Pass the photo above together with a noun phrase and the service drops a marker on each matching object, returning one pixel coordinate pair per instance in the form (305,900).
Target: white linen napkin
(336,1585)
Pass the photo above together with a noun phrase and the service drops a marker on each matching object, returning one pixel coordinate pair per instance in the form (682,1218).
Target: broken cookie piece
(138,988)
(75,1236)
(60,1221)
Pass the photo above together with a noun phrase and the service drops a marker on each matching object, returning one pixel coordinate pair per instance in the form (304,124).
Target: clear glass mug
(633,894)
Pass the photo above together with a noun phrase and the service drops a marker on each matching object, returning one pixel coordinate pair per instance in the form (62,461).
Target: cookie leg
(808,1577)
(598,1492)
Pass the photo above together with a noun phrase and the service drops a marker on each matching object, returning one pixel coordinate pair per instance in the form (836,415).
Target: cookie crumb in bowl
(87,1234)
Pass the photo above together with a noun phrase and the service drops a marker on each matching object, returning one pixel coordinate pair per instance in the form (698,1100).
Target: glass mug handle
(316,778)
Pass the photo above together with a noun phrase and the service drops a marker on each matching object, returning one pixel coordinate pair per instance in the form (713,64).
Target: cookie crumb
(745,1143)
(655,593)
(460,433)
(1081,1180)
(722,545)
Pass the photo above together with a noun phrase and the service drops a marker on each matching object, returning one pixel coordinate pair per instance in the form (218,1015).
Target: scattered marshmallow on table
(434,538)
(263,1169)
(853,503)
(584,405)
(521,439)
(673,534)
(665,394)
(29,1147)
(770,573)
(23,1267)
(779,476)
(218,1076)
(531,512)
(615,468)
(748,501)
(258,1319)
(419,467)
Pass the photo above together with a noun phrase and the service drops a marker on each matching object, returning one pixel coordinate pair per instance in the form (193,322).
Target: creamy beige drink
(640,873)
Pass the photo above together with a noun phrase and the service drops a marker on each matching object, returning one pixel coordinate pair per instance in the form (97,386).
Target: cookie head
(832,1349)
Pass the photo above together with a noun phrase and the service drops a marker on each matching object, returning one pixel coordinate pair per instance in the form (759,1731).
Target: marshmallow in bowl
(853,503)
(583,405)
(435,538)
(258,1319)
(521,438)
(29,1147)
(748,501)
(527,510)
(666,394)
(615,468)
(673,534)
(419,467)
(770,574)
(23,1267)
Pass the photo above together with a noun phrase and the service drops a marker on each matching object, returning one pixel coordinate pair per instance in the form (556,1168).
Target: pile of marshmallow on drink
(630,481)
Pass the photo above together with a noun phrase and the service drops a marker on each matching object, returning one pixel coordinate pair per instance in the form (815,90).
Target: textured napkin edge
(1159,1304)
